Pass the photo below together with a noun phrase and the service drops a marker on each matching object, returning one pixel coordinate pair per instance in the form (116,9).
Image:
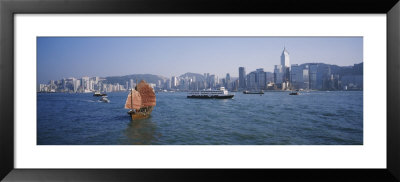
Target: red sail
(147,94)
(134,100)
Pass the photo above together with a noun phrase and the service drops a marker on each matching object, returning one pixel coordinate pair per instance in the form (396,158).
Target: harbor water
(275,118)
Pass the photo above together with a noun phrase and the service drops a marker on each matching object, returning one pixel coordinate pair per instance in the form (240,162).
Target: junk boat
(104,99)
(98,94)
(253,92)
(220,93)
(141,101)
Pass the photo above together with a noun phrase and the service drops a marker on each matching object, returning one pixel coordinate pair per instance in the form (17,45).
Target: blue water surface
(275,118)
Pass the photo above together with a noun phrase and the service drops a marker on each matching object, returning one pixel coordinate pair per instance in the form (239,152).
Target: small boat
(294,93)
(140,101)
(98,94)
(253,92)
(104,99)
(221,93)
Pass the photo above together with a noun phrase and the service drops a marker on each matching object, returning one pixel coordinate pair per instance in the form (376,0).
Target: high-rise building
(285,62)
(168,84)
(261,79)
(313,68)
(251,81)
(85,83)
(242,78)
(269,77)
(174,82)
(296,76)
(77,84)
(213,81)
(228,84)
(278,74)
(306,78)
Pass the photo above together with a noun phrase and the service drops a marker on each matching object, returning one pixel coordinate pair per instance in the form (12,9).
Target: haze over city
(63,57)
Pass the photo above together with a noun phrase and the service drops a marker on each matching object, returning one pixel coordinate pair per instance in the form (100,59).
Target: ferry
(220,93)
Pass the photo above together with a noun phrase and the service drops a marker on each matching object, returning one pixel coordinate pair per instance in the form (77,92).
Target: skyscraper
(85,83)
(213,81)
(278,74)
(313,75)
(296,76)
(285,62)
(251,80)
(261,79)
(228,81)
(306,78)
(242,78)
(174,82)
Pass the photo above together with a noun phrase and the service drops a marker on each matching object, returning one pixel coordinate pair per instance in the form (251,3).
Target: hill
(149,78)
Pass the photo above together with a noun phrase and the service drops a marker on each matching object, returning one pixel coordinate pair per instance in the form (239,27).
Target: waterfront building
(278,74)
(326,77)
(174,82)
(306,78)
(235,86)
(313,69)
(85,83)
(91,84)
(168,84)
(269,77)
(296,76)
(242,78)
(252,81)
(212,81)
(77,84)
(285,63)
(260,79)
(228,84)
(96,80)
(285,60)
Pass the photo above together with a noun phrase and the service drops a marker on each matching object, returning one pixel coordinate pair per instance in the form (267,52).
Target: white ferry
(221,93)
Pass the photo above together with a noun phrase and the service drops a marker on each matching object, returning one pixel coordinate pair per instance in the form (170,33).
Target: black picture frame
(8,8)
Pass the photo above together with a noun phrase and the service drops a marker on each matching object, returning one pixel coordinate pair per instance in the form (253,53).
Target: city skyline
(63,57)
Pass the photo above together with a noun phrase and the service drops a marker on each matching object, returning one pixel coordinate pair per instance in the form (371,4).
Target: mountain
(149,78)
(198,77)
(356,69)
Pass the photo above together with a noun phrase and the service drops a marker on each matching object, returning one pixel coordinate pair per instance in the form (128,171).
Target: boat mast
(132,99)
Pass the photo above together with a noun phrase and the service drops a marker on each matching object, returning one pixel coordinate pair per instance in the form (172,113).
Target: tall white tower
(285,61)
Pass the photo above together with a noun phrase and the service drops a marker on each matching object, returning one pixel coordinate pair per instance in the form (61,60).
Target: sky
(63,57)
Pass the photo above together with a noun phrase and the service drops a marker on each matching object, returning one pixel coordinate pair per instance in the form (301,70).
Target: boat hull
(137,116)
(210,97)
(140,114)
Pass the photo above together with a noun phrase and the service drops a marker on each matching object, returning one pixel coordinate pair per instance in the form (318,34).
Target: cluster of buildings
(285,76)
(192,81)
(85,85)
(309,76)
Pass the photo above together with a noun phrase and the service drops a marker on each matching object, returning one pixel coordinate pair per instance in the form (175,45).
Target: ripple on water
(315,118)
